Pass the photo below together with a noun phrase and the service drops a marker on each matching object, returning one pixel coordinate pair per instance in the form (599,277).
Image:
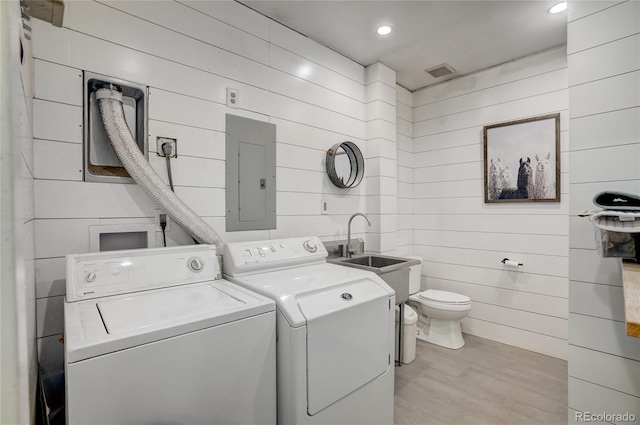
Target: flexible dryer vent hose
(110,101)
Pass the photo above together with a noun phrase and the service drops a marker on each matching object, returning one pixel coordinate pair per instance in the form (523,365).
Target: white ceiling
(467,35)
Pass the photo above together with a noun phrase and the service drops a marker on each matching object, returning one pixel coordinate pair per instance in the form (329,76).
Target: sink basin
(375,262)
(393,270)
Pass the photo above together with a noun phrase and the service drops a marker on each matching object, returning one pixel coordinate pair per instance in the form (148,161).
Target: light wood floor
(483,383)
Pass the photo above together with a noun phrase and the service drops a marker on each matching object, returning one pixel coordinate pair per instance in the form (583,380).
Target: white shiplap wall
(26,214)
(188,53)
(461,238)
(604,96)
(19,371)
(381,158)
(404,154)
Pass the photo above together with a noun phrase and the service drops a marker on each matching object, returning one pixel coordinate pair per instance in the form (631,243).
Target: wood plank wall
(18,349)
(188,53)
(404,144)
(604,96)
(461,238)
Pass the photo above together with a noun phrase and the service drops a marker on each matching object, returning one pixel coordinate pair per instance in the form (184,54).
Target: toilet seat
(444,297)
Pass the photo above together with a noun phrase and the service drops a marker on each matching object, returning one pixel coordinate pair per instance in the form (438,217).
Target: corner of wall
(381,172)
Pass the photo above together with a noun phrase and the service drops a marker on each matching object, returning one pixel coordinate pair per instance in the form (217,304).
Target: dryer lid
(444,297)
(287,286)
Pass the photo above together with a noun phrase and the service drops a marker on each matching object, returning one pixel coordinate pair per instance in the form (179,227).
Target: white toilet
(439,312)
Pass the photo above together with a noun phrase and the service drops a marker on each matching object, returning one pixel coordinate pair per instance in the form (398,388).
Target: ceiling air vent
(440,70)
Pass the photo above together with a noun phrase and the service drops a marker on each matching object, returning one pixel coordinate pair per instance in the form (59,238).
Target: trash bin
(409,329)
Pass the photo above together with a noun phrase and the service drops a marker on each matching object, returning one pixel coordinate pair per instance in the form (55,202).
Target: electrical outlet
(172,147)
(158,227)
(324,207)
(232,97)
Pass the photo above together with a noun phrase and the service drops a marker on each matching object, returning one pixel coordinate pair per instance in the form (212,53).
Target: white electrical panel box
(250,174)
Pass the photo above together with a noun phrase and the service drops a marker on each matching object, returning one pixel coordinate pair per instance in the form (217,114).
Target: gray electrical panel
(250,174)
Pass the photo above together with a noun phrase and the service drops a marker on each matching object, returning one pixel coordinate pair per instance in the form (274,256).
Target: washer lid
(444,297)
(148,309)
(97,327)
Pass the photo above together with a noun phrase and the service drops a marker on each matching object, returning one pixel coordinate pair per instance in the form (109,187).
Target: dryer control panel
(242,258)
(119,272)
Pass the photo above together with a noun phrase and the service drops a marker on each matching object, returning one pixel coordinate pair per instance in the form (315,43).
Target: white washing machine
(335,326)
(155,336)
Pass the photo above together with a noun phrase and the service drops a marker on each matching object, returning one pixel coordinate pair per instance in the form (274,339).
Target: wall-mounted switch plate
(232,97)
(157,221)
(324,206)
(172,147)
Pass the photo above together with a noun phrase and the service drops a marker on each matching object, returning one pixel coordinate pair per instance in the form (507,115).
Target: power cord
(163,226)
(166,151)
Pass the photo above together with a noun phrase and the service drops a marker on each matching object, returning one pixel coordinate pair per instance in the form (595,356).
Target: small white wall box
(121,236)
(100,161)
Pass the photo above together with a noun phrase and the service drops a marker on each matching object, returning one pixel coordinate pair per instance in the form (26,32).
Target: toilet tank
(414,275)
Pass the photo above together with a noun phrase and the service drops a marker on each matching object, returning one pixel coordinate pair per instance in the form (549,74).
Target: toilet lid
(444,297)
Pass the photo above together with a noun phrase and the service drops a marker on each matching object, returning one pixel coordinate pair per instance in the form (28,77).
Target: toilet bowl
(439,313)
(439,316)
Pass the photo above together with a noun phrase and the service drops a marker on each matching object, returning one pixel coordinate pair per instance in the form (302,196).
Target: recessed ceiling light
(384,30)
(559,7)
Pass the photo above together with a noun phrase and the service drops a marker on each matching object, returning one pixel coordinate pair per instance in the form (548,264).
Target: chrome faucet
(350,251)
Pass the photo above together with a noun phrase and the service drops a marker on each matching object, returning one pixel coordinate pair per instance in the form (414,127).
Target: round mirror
(345,165)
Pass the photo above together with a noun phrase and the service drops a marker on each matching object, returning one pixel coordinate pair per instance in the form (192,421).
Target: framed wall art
(522,160)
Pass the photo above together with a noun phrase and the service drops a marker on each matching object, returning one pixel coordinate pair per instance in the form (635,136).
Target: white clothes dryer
(335,326)
(155,336)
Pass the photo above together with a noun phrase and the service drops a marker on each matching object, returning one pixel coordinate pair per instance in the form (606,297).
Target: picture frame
(522,160)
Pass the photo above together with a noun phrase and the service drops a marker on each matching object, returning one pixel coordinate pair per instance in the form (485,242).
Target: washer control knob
(196,264)
(91,277)
(309,246)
